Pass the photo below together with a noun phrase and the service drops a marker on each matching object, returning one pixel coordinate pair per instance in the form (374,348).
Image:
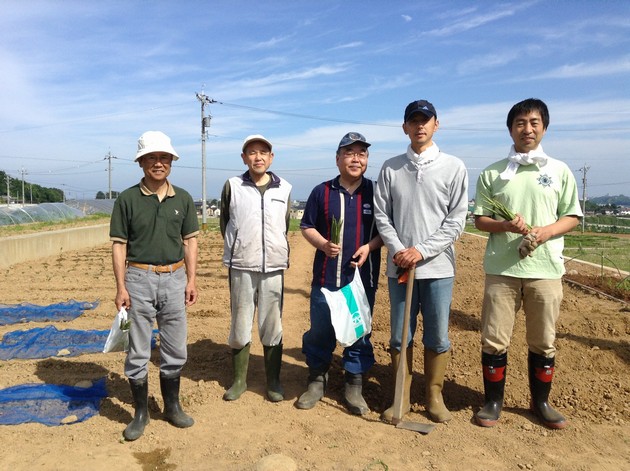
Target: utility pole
(205,122)
(109,157)
(584,170)
(23,172)
(8,189)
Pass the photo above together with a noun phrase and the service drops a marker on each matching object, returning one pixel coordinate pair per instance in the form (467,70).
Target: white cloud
(348,45)
(583,69)
(472,22)
(477,64)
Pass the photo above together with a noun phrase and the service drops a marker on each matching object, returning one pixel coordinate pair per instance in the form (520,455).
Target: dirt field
(592,386)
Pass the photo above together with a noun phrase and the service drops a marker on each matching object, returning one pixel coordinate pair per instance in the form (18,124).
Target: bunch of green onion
(335,230)
(499,208)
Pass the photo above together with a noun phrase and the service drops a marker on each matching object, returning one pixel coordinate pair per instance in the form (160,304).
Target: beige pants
(503,297)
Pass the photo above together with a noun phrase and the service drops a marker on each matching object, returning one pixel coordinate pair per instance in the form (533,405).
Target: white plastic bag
(349,311)
(118,338)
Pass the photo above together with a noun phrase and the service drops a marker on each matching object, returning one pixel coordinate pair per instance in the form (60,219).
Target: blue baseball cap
(351,138)
(420,106)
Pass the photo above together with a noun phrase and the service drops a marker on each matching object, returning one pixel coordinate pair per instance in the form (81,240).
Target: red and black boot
(540,378)
(494,369)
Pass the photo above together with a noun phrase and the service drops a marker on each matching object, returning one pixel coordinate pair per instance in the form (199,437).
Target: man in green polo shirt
(153,229)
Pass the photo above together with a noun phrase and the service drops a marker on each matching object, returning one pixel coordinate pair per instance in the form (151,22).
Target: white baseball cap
(155,141)
(255,137)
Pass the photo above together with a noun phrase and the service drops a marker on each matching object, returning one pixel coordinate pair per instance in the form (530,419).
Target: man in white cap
(153,229)
(255,209)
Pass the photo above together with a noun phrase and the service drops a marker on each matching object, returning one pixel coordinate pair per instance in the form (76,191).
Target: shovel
(402,364)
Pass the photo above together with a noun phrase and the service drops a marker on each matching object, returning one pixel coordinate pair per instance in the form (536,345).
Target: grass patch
(19,229)
(607,249)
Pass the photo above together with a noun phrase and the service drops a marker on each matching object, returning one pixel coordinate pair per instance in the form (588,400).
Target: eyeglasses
(350,153)
(164,159)
(253,153)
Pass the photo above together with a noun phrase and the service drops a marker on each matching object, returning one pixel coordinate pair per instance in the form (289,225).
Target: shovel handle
(402,362)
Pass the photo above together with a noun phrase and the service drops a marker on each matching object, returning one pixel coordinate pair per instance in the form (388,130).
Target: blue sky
(81,79)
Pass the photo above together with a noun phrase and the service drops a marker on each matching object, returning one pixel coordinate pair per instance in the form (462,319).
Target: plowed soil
(591,387)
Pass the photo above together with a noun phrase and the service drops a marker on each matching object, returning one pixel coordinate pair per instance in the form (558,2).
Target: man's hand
(191,294)
(527,245)
(122,299)
(360,256)
(407,258)
(331,250)
(518,225)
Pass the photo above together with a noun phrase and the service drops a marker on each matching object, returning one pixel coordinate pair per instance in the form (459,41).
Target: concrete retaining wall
(16,249)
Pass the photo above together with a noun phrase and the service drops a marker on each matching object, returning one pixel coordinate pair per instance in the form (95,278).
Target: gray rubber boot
(172,408)
(273,363)
(353,394)
(140,393)
(317,381)
(240,362)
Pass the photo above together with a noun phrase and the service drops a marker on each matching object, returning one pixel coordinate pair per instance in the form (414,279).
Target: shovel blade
(416,427)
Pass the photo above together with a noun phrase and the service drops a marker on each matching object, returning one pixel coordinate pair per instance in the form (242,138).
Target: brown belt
(158,268)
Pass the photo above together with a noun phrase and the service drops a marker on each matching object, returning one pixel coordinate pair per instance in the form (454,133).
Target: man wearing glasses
(254,220)
(348,199)
(154,233)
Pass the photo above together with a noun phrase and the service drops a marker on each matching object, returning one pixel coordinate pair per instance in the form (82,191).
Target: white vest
(255,235)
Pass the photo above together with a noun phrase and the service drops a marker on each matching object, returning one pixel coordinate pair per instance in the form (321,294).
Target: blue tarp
(25,312)
(44,342)
(50,404)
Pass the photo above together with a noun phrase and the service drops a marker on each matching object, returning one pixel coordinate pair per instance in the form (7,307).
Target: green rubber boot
(240,361)
(273,363)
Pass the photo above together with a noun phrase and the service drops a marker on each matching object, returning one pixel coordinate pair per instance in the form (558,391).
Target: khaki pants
(503,297)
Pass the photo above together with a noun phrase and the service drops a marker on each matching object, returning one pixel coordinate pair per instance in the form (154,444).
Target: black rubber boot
(140,393)
(540,378)
(240,362)
(317,381)
(172,408)
(353,394)
(494,370)
(273,363)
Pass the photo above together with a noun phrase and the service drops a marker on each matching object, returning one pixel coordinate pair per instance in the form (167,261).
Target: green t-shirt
(154,231)
(542,195)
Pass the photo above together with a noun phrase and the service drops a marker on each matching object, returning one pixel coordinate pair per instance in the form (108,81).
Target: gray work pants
(156,297)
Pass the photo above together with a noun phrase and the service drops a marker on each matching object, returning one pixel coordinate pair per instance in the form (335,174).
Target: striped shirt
(356,213)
